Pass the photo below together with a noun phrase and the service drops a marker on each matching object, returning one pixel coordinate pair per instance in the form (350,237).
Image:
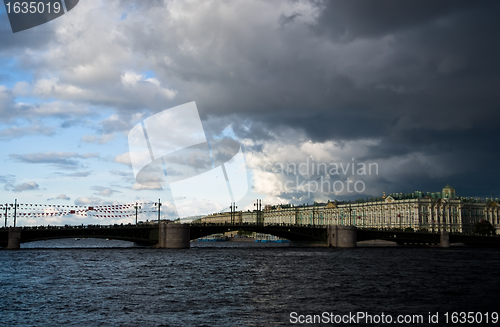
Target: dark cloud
(433,92)
(419,80)
(358,19)
(11,43)
(283,20)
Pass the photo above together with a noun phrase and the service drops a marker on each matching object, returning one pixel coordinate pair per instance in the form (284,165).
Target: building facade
(431,212)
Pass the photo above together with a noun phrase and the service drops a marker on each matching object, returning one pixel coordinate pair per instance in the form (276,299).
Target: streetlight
(350,211)
(6,208)
(258,206)
(313,209)
(15,207)
(136,207)
(233,212)
(158,204)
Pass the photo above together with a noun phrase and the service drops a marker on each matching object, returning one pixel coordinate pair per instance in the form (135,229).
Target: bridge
(173,235)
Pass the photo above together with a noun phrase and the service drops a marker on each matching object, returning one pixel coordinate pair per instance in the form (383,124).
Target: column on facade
(446,217)
(433,214)
(414,214)
(459,217)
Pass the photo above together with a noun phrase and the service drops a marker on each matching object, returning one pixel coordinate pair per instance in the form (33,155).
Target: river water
(110,283)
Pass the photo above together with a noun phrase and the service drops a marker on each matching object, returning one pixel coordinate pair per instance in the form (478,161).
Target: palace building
(417,211)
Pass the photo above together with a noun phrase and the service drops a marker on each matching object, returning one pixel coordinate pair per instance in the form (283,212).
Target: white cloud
(17,131)
(131,79)
(114,123)
(199,207)
(60,197)
(21,88)
(98,139)
(144,87)
(53,88)
(79,174)
(62,159)
(147,186)
(28,186)
(6,101)
(58,109)
(86,201)
(300,171)
(123,158)
(105,191)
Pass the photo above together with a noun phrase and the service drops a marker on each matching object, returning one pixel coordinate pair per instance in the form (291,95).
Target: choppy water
(237,284)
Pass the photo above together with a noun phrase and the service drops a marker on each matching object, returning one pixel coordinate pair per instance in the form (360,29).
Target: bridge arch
(293,233)
(138,234)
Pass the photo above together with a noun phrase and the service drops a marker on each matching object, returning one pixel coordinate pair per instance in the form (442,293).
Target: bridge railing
(83,226)
(425,231)
(257,225)
(153,224)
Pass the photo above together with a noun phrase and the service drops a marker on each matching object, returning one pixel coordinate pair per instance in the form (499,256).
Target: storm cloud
(412,86)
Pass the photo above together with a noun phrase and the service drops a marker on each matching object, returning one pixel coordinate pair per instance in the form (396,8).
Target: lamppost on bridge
(233,212)
(158,204)
(410,217)
(136,207)
(6,208)
(258,206)
(15,207)
(313,209)
(350,212)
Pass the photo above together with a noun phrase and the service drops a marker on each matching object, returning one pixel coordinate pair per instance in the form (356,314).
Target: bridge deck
(148,234)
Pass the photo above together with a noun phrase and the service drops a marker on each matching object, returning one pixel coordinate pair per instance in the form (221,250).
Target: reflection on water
(77,243)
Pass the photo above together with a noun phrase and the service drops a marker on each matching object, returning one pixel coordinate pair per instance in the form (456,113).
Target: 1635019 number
(471,317)
(33,7)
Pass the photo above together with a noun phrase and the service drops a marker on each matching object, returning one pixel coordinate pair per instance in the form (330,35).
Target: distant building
(222,218)
(418,211)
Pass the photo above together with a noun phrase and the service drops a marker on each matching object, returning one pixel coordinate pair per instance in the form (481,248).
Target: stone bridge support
(174,236)
(445,239)
(342,236)
(14,242)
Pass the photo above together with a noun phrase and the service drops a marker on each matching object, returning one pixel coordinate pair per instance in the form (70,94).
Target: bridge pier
(342,236)
(14,242)
(174,236)
(445,239)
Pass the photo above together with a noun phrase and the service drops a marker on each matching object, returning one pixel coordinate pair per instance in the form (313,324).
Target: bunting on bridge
(34,210)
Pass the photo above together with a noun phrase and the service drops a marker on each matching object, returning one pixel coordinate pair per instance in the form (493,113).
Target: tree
(484,227)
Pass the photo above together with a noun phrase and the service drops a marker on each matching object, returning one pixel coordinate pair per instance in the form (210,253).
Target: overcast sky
(412,87)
